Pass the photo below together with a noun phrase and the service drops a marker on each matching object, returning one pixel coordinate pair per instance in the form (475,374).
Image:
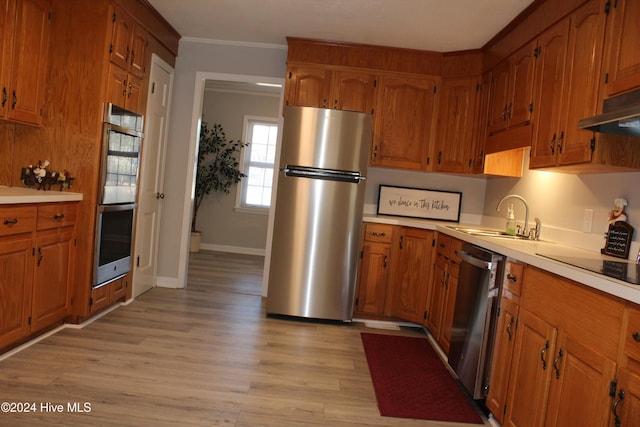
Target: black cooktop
(621,270)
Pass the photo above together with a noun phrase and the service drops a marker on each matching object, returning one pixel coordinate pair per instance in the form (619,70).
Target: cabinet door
(122,29)
(450,293)
(531,372)
(372,278)
(119,288)
(52,277)
(138,60)
(353,91)
(117,86)
(549,74)
(499,97)
(579,392)
(308,87)
(454,144)
(624,52)
(403,122)
(16,278)
(521,86)
(411,274)
(30,54)
(99,298)
(580,89)
(502,355)
(627,404)
(436,299)
(133,101)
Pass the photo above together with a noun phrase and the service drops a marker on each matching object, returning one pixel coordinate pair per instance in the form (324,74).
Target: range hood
(620,116)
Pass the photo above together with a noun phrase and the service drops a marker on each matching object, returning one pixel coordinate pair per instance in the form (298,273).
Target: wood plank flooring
(206,355)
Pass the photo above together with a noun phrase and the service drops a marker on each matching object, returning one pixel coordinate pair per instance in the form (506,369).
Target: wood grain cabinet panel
(411,274)
(24,54)
(626,407)
(404,122)
(16,280)
(623,61)
(455,146)
(128,43)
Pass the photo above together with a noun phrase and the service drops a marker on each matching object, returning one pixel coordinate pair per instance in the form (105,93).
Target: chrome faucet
(526,211)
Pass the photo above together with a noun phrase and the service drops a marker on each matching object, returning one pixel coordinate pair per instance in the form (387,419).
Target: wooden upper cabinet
(323,87)
(549,78)
(403,121)
(128,43)
(511,91)
(308,86)
(25,53)
(623,33)
(353,91)
(455,146)
(124,89)
(580,89)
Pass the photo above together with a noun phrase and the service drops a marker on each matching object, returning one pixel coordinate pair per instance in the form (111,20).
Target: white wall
(223,227)
(196,62)
(560,199)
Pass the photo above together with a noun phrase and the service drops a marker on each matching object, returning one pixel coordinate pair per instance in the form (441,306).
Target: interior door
(152,176)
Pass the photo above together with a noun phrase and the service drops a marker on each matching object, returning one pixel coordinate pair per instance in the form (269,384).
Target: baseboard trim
(168,282)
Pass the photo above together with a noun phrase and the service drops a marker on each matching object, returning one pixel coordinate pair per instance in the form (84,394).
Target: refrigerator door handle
(319,173)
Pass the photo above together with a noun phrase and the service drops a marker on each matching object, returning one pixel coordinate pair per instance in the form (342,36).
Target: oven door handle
(470,259)
(113,208)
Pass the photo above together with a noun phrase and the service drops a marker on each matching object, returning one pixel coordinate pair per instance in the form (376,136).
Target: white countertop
(525,251)
(11,195)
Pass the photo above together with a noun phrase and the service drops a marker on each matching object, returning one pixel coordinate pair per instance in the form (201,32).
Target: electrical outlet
(587,221)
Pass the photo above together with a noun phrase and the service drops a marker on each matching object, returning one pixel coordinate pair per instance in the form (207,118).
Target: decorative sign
(419,203)
(618,239)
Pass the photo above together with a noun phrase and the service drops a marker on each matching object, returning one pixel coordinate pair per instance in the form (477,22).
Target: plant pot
(194,243)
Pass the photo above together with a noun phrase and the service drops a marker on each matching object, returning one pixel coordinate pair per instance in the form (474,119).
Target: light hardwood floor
(202,356)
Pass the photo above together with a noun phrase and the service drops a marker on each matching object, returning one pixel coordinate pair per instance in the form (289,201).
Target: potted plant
(218,169)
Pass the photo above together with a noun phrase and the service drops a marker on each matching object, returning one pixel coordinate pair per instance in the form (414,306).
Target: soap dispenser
(511,222)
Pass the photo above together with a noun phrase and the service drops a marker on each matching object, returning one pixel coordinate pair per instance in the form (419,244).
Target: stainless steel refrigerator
(318,213)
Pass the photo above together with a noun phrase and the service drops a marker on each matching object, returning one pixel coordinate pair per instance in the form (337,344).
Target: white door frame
(196,116)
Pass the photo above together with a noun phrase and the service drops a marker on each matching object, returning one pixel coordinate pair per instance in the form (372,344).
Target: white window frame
(244,162)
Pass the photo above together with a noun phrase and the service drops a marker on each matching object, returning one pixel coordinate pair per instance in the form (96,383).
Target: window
(258,162)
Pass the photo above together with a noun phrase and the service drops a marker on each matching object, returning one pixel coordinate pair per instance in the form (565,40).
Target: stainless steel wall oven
(119,166)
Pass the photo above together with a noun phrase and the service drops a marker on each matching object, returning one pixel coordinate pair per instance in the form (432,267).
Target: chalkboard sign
(618,240)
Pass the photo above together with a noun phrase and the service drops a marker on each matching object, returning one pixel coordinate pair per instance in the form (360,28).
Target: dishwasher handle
(476,262)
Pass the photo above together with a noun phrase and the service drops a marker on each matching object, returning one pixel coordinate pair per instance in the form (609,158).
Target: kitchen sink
(487,232)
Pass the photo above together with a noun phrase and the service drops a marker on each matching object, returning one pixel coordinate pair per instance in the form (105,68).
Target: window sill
(251,210)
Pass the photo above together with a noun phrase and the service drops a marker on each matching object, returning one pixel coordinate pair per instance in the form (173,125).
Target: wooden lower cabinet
(565,355)
(373,269)
(394,272)
(106,295)
(505,338)
(37,247)
(411,274)
(626,407)
(442,295)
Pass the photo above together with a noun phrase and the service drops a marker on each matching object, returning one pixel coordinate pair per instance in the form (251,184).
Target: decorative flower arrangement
(42,177)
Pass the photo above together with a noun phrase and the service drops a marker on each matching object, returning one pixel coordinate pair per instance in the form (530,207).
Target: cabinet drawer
(512,280)
(378,232)
(443,245)
(56,215)
(632,335)
(16,220)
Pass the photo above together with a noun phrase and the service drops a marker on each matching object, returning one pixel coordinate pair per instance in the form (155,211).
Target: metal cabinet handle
(401,239)
(5,97)
(10,221)
(512,278)
(552,144)
(560,141)
(375,151)
(40,256)
(509,112)
(555,363)
(614,408)
(636,336)
(15,100)
(384,262)
(335,104)
(543,352)
(376,234)
(324,102)
(58,216)
(509,332)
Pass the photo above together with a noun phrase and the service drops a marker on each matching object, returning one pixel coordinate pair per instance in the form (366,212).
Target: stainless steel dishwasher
(474,320)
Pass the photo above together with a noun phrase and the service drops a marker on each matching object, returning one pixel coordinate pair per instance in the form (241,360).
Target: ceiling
(434,25)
